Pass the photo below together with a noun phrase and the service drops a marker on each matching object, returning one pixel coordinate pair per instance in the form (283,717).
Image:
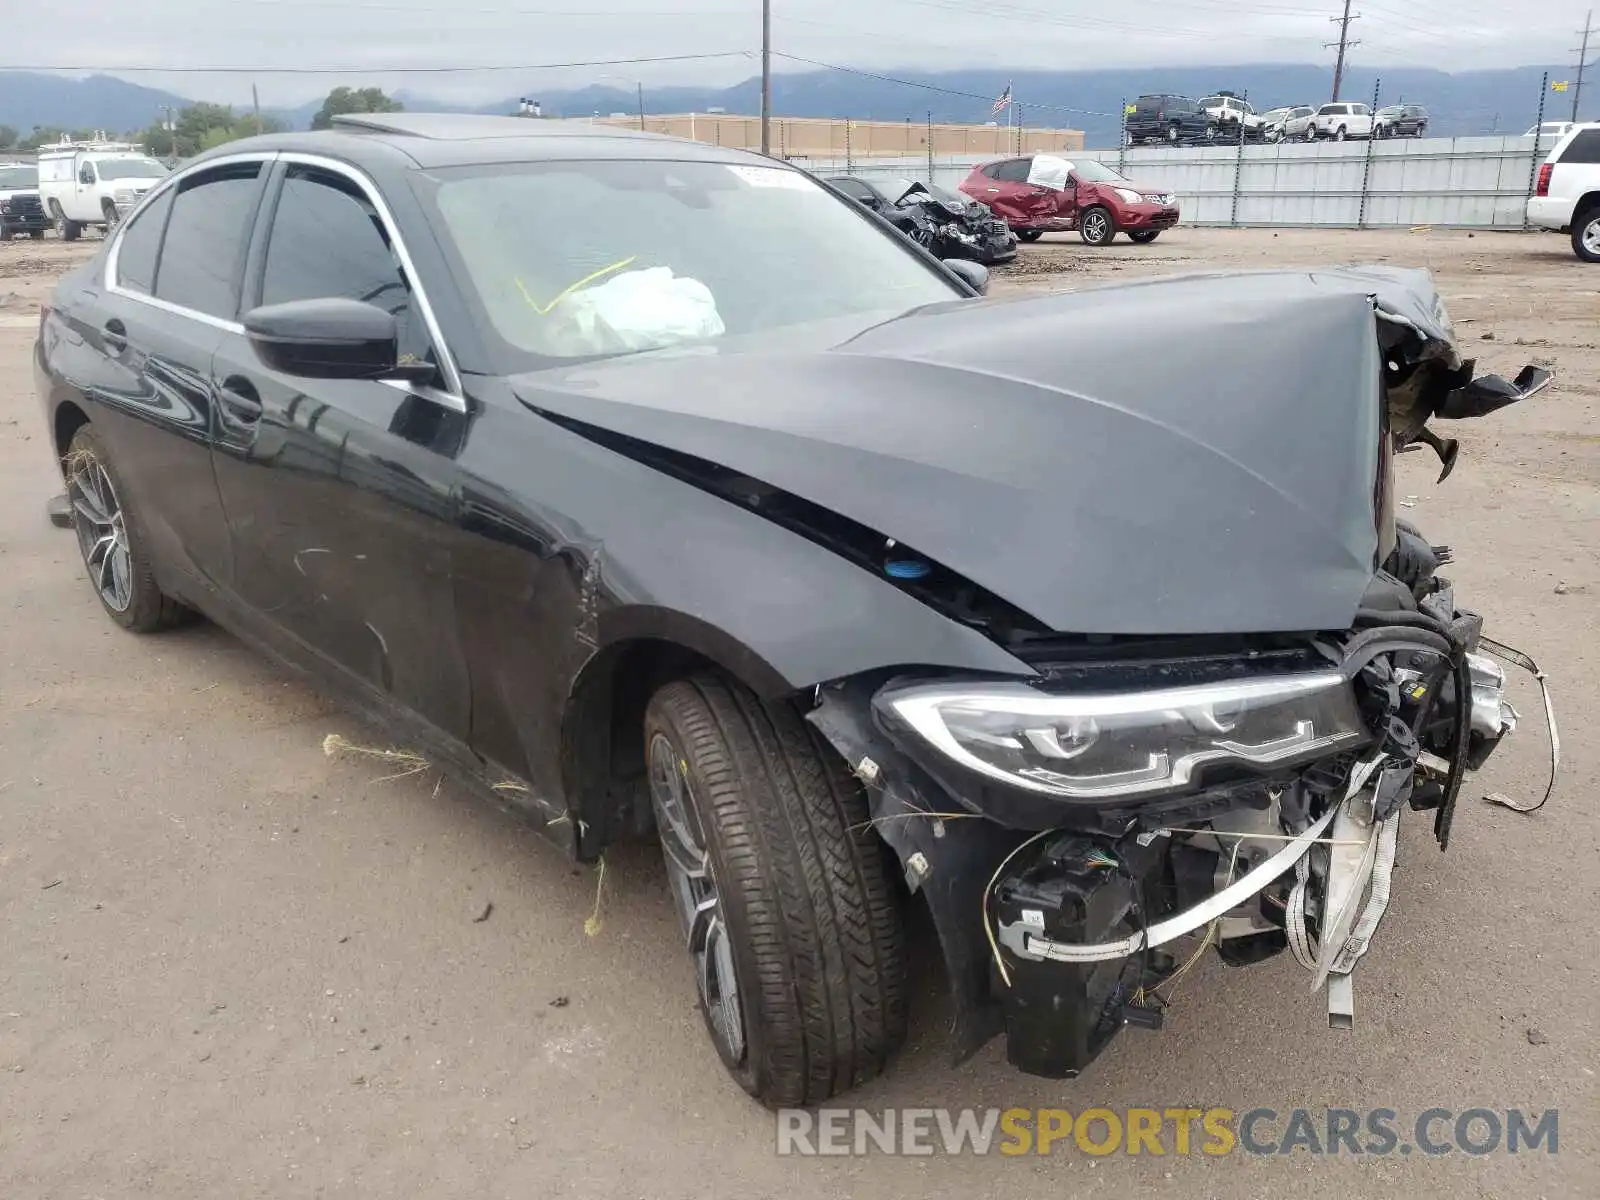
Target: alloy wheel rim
(102,532)
(1097,227)
(1591,236)
(695,895)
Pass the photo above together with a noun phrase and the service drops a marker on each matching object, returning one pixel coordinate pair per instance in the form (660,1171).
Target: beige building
(822,137)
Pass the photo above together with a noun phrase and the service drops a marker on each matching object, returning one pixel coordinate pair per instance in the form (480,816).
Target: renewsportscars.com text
(1433,1132)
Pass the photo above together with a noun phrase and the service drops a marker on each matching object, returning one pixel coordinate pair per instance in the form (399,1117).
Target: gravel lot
(231,966)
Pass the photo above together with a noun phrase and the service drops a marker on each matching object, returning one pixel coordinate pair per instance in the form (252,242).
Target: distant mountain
(1467,102)
(104,102)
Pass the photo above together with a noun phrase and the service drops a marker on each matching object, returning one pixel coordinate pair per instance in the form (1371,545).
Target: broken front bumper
(1061,932)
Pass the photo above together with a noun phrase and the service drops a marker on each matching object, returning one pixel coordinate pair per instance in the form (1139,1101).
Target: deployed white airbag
(1048,171)
(636,310)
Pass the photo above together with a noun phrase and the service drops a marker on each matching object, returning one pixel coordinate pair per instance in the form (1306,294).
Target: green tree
(353,100)
(203,127)
(8,137)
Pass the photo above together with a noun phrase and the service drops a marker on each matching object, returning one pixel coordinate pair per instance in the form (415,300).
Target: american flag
(1001,102)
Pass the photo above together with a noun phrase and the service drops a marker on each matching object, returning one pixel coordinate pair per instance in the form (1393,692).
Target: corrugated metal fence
(1475,182)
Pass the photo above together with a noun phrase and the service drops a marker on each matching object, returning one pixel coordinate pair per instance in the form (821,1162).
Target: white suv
(1230,112)
(1567,196)
(1340,121)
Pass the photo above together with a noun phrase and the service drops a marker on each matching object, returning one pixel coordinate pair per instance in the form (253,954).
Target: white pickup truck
(94,183)
(1566,196)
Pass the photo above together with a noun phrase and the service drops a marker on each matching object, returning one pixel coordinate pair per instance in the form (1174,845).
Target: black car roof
(459,139)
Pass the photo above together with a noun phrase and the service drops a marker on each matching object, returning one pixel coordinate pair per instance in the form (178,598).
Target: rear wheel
(1145,236)
(1096,226)
(1029,235)
(1586,235)
(112,539)
(1211,132)
(1174,133)
(782,891)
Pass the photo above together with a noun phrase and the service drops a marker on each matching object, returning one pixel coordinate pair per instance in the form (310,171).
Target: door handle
(115,336)
(239,400)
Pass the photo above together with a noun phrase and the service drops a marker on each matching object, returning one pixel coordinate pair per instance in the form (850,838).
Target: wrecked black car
(657,490)
(946,223)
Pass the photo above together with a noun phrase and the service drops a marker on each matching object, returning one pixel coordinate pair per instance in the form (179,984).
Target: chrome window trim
(451,396)
(265,158)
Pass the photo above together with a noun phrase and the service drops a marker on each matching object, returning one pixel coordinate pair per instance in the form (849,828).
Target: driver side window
(327,240)
(86,173)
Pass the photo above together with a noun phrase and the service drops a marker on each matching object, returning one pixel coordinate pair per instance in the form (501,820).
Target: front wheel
(1029,235)
(1096,226)
(1586,235)
(782,891)
(108,210)
(1144,236)
(1211,133)
(1339,134)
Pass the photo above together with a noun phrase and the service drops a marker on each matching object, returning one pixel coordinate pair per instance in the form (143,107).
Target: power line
(368,70)
(929,87)
(1343,43)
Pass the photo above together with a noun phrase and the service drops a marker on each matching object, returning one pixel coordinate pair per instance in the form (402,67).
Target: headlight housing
(1128,195)
(1114,745)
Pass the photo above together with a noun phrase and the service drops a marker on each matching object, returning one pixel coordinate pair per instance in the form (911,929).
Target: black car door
(341,494)
(171,292)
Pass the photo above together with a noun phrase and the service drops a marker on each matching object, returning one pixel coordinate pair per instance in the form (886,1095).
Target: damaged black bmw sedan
(664,492)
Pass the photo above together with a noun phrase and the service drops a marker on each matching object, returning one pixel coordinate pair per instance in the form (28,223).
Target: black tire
(803,887)
(5,234)
(69,230)
(1029,235)
(1096,225)
(108,210)
(1174,133)
(1311,133)
(1339,134)
(1144,236)
(148,608)
(1211,131)
(1586,228)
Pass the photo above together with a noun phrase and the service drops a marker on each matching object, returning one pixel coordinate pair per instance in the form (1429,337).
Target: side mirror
(974,275)
(332,338)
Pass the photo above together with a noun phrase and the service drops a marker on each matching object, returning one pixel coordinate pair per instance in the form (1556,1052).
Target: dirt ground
(232,966)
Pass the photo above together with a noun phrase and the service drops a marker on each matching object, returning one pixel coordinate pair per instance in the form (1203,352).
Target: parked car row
(1225,117)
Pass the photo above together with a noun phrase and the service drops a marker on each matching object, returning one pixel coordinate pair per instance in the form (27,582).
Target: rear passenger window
(140,243)
(1585,148)
(203,255)
(1014,170)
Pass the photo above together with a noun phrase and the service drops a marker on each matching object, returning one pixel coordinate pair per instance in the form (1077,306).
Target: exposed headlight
(1128,196)
(1107,746)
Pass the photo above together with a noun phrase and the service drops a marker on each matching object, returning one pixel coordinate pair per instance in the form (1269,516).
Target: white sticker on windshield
(771,177)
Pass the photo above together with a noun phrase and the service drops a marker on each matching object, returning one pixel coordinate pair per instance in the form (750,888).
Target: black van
(1164,118)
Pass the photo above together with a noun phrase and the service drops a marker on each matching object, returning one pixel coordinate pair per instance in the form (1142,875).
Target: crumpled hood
(1154,458)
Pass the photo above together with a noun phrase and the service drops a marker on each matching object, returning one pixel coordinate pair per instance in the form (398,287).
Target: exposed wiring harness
(1518,658)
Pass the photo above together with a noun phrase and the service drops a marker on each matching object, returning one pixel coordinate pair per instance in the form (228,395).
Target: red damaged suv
(1036,194)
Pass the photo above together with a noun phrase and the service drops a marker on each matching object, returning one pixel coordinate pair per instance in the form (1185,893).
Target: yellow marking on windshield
(545,310)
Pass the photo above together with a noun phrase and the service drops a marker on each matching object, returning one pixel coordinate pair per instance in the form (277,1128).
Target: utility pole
(255,102)
(1583,58)
(640,82)
(1343,43)
(766,76)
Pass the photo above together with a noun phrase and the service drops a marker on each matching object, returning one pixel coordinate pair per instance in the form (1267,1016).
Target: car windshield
(12,177)
(570,260)
(1273,114)
(129,168)
(1093,172)
(897,188)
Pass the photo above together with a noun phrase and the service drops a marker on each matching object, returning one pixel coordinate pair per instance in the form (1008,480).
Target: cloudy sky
(379,36)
